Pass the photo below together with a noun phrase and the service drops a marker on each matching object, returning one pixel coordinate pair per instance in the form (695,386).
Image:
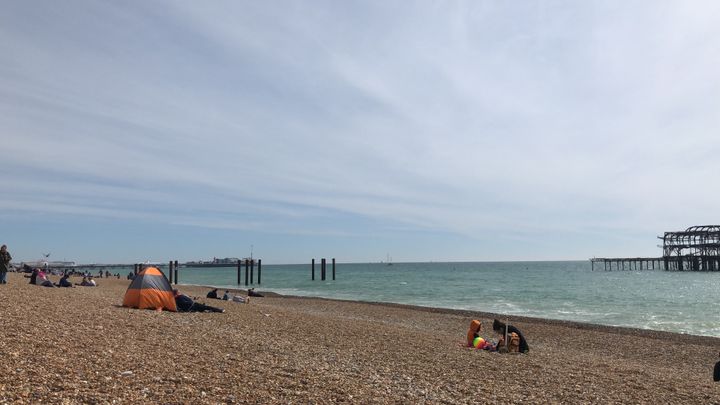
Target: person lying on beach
(500,328)
(241,299)
(64,282)
(252,293)
(186,304)
(213,294)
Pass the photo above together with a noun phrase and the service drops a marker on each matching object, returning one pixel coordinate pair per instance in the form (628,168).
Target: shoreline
(79,345)
(620,330)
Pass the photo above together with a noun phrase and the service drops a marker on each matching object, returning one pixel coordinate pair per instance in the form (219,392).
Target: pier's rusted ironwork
(695,249)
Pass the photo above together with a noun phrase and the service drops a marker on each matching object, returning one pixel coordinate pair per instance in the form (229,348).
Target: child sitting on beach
(475,340)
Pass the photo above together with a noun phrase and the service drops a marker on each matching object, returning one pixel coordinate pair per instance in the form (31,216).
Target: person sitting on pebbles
(516,340)
(87,282)
(474,339)
(43,280)
(186,304)
(64,282)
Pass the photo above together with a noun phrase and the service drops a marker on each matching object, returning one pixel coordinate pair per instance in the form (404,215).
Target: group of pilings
(323,269)
(692,263)
(668,263)
(249,271)
(633,263)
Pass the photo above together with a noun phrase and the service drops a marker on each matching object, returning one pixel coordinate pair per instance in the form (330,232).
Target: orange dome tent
(150,290)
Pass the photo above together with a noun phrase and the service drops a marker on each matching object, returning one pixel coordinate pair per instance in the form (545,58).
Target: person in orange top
(473,332)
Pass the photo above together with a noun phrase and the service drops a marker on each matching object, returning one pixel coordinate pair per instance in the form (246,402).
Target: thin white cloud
(465,117)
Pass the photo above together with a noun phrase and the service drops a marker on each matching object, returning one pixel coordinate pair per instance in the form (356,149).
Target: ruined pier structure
(696,249)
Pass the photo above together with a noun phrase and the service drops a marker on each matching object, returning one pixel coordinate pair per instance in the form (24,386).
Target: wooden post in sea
(135,272)
(312,272)
(322,269)
(247,273)
(239,269)
(170,269)
(252,271)
(176,271)
(333,268)
(259,269)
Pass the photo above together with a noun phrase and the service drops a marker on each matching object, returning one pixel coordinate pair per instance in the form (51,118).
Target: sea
(683,302)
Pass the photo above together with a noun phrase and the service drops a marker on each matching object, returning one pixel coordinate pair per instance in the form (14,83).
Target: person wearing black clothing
(499,327)
(5,259)
(252,293)
(213,294)
(33,276)
(186,304)
(64,282)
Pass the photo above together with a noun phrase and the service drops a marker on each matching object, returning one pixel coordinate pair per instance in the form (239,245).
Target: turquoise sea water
(685,302)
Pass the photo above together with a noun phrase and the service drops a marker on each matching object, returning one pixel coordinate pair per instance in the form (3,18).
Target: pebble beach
(79,345)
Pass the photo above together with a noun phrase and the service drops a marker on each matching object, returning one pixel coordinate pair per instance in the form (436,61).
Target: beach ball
(479,343)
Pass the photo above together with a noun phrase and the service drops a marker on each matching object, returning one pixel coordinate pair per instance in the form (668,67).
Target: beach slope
(78,345)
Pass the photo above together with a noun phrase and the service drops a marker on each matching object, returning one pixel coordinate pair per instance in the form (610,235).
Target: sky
(423,131)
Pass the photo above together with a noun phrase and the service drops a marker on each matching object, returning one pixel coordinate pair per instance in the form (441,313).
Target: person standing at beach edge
(4,263)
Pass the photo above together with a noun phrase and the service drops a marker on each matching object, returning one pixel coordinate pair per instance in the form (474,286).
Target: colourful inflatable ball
(479,343)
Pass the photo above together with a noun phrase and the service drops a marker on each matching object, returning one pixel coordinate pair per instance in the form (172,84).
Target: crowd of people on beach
(39,277)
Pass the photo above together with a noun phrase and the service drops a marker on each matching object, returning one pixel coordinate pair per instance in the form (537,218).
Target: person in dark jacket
(33,276)
(252,293)
(64,282)
(5,259)
(213,294)
(186,304)
(499,327)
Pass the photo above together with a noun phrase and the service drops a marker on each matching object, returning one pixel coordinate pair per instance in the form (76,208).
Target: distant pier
(627,263)
(695,249)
